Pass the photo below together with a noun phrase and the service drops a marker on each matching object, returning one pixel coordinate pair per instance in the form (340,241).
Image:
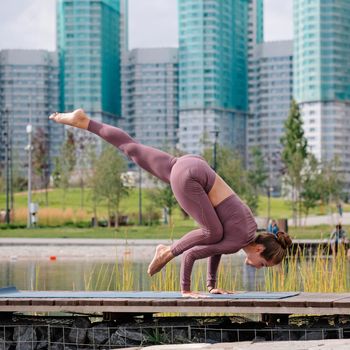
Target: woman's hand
(220,291)
(195,295)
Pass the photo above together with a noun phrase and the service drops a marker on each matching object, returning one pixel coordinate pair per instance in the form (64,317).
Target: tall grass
(53,216)
(321,272)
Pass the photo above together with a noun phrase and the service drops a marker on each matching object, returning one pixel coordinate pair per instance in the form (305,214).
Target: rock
(210,336)
(81,322)
(98,334)
(135,336)
(57,345)
(116,340)
(258,339)
(127,338)
(180,335)
(284,334)
(25,337)
(42,335)
(77,334)
(4,344)
(314,335)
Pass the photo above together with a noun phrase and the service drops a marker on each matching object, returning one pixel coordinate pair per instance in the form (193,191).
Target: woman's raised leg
(156,162)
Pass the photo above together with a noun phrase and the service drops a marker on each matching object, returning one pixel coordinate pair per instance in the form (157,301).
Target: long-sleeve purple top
(239,230)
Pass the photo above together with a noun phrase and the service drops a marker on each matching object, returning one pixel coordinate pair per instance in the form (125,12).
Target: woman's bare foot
(77,118)
(162,256)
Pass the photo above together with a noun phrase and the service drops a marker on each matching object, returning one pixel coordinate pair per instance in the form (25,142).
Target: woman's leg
(191,179)
(156,162)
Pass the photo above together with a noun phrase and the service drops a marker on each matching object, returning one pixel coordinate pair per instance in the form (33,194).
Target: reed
(321,272)
(53,216)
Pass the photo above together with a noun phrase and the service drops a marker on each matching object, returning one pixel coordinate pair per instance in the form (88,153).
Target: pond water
(91,274)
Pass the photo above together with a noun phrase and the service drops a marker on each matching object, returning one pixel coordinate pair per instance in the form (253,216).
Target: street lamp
(140,196)
(7,162)
(29,149)
(216,134)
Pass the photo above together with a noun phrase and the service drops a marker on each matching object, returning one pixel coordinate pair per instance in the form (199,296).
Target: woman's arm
(212,268)
(195,253)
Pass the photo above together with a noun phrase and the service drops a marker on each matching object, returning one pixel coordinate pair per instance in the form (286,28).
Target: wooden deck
(304,303)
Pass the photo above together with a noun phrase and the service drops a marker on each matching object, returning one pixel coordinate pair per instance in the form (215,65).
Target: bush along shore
(56,333)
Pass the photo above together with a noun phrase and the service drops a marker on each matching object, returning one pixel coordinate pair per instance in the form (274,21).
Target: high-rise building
(322,77)
(28,95)
(213,44)
(88,44)
(255,23)
(270,95)
(150,96)
(124,27)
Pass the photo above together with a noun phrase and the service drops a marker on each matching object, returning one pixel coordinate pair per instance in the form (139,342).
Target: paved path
(84,248)
(338,344)
(324,219)
(70,248)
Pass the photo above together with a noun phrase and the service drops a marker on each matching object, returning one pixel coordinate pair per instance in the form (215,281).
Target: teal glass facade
(88,46)
(259,21)
(321,50)
(213,54)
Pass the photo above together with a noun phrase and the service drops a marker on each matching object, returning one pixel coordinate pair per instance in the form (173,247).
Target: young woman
(226,223)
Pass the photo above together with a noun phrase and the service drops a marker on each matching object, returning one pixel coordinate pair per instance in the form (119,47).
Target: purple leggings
(190,177)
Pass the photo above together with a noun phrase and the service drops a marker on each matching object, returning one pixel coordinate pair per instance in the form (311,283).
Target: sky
(30,24)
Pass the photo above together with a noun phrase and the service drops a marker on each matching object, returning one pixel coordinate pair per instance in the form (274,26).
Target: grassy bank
(62,219)
(280,207)
(144,232)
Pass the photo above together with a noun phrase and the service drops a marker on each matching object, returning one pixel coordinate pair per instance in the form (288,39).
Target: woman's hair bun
(283,239)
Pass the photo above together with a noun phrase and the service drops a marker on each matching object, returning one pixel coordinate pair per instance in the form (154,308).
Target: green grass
(280,208)
(127,232)
(73,200)
(145,232)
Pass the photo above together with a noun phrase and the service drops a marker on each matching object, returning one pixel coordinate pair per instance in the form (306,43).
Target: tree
(91,158)
(330,182)
(85,157)
(2,182)
(66,164)
(41,160)
(230,168)
(311,191)
(106,181)
(294,154)
(167,200)
(257,176)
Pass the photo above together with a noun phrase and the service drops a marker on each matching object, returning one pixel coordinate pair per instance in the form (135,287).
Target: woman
(226,223)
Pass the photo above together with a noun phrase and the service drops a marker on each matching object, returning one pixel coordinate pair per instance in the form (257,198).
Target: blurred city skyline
(31,24)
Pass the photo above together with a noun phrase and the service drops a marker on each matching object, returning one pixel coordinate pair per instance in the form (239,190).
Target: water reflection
(101,275)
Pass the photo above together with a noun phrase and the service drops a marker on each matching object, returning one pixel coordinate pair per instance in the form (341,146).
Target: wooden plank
(43,302)
(240,302)
(215,302)
(114,302)
(313,299)
(89,302)
(312,303)
(342,303)
(267,303)
(190,302)
(139,302)
(19,302)
(66,302)
(164,302)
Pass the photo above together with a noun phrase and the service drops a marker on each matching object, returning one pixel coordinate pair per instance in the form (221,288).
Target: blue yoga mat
(13,292)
